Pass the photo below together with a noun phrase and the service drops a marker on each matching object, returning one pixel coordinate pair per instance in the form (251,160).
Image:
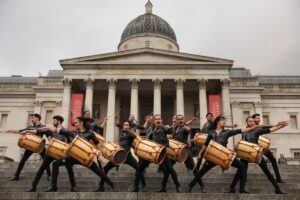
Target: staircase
(216,182)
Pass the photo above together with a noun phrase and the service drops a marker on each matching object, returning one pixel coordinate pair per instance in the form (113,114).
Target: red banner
(214,104)
(76,107)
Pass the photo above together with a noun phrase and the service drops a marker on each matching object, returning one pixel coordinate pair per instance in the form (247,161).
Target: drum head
(120,157)
(162,156)
(41,146)
(184,153)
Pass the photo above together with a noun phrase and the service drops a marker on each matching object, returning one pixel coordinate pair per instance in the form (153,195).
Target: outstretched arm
(191,121)
(104,122)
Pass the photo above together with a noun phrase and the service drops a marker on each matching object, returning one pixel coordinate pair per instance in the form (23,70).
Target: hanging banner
(76,108)
(214,102)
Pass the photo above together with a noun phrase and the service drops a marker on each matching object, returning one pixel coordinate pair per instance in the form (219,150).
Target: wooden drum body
(249,151)
(148,150)
(264,142)
(177,151)
(200,138)
(82,151)
(219,155)
(57,149)
(114,153)
(32,143)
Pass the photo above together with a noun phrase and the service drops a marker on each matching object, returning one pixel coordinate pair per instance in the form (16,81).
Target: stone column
(226,106)
(236,118)
(66,101)
(134,100)
(38,107)
(179,96)
(202,101)
(89,92)
(258,110)
(157,96)
(111,110)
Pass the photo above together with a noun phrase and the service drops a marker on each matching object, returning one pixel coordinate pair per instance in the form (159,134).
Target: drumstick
(198,164)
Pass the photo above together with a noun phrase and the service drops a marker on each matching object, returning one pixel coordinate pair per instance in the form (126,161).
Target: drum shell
(177,151)
(200,138)
(31,142)
(114,153)
(264,142)
(57,149)
(249,151)
(82,151)
(150,151)
(219,155)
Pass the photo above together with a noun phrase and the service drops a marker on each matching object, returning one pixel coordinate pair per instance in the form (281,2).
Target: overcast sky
(262,35)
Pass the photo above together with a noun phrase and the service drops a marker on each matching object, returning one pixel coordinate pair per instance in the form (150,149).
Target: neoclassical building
(149,74)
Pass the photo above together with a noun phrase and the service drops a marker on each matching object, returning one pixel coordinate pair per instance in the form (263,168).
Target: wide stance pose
(221,136)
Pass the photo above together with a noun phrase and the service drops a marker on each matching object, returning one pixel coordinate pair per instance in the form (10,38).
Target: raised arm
(104,122)
(191,121)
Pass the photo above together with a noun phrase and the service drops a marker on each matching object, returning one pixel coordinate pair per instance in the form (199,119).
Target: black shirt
(180,134)
(63,135)
(223,137)
(159,135)
(34,127)
(253,136)
(133,125)
(126,141)
(206,128)
(95,127)
(88,135)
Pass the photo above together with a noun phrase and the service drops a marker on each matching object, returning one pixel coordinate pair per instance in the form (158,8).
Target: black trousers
(189,164)
(46,163)
(272,159)
(25,157)
(69,162)
(264,167)
(167,168)
(241,172)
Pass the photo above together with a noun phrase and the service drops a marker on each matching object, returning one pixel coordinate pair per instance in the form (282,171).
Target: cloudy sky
(262,35)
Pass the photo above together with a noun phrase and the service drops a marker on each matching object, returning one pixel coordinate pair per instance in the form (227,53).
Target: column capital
(38,103)
(112,82)
(67,82)
(89,82)
(179,82)
(235,104)
(157,82)
(134,83)
(258,104)
(225,82)
(202,83)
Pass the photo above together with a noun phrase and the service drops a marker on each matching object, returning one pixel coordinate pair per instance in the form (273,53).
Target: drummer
(36,124)
(158,133)
(253,137)
(62,134)
(83,130)
(94,126)
(180,133)
(268,154)
(221,135)
(125,142)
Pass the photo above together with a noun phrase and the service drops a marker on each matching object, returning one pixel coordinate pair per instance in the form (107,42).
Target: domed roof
(148,24)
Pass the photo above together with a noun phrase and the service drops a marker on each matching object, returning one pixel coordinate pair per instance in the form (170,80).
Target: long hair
(85,123)
(214,124)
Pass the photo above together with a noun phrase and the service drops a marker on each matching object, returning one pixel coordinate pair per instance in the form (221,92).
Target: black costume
(125,142)
(253,137)
(28,153)
(69,161)
(64,136)
(206,127)
(221,138)
(159,135)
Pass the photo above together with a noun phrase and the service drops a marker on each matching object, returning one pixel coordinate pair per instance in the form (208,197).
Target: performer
(181,133)
(133,124)
(206,126)
(221,135)
(36,124)
(93,125)
(158,133)
(269,154)
(62,134)
(125,142)
(83,130)
(252,137)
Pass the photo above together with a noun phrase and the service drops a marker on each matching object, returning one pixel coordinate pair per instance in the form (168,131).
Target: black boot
(244,192)
(136,189)
(178,189)
(74,189)
(49,178)
(278,191)
(15,178)
(32,189)
(231,190)
(51,189)
(162,190)
(100,189)
(202,189)
(115,188)
(189,189)
(279,181)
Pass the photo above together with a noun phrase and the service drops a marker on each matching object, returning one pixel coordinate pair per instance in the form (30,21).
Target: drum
(264,142)
(200,138)
(219,155)
(31,142)
(100,138)
(136,139)
(82,151)
(114,153)
(57,149)
(148,150)
(249,151)
(177,151)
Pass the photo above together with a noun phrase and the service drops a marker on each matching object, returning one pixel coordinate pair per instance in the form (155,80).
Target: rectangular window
(48,118)
(3,120)
(196,111)
(266,120)
(297,154)
(293,121)
(246,114)
(29,122)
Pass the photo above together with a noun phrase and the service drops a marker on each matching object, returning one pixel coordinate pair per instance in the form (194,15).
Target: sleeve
(208,139)
(264,131)
(119,125)
(266,127)
(98,129)
(167,130)
(141,127)
(234,132)
(67,134)
(94,139)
